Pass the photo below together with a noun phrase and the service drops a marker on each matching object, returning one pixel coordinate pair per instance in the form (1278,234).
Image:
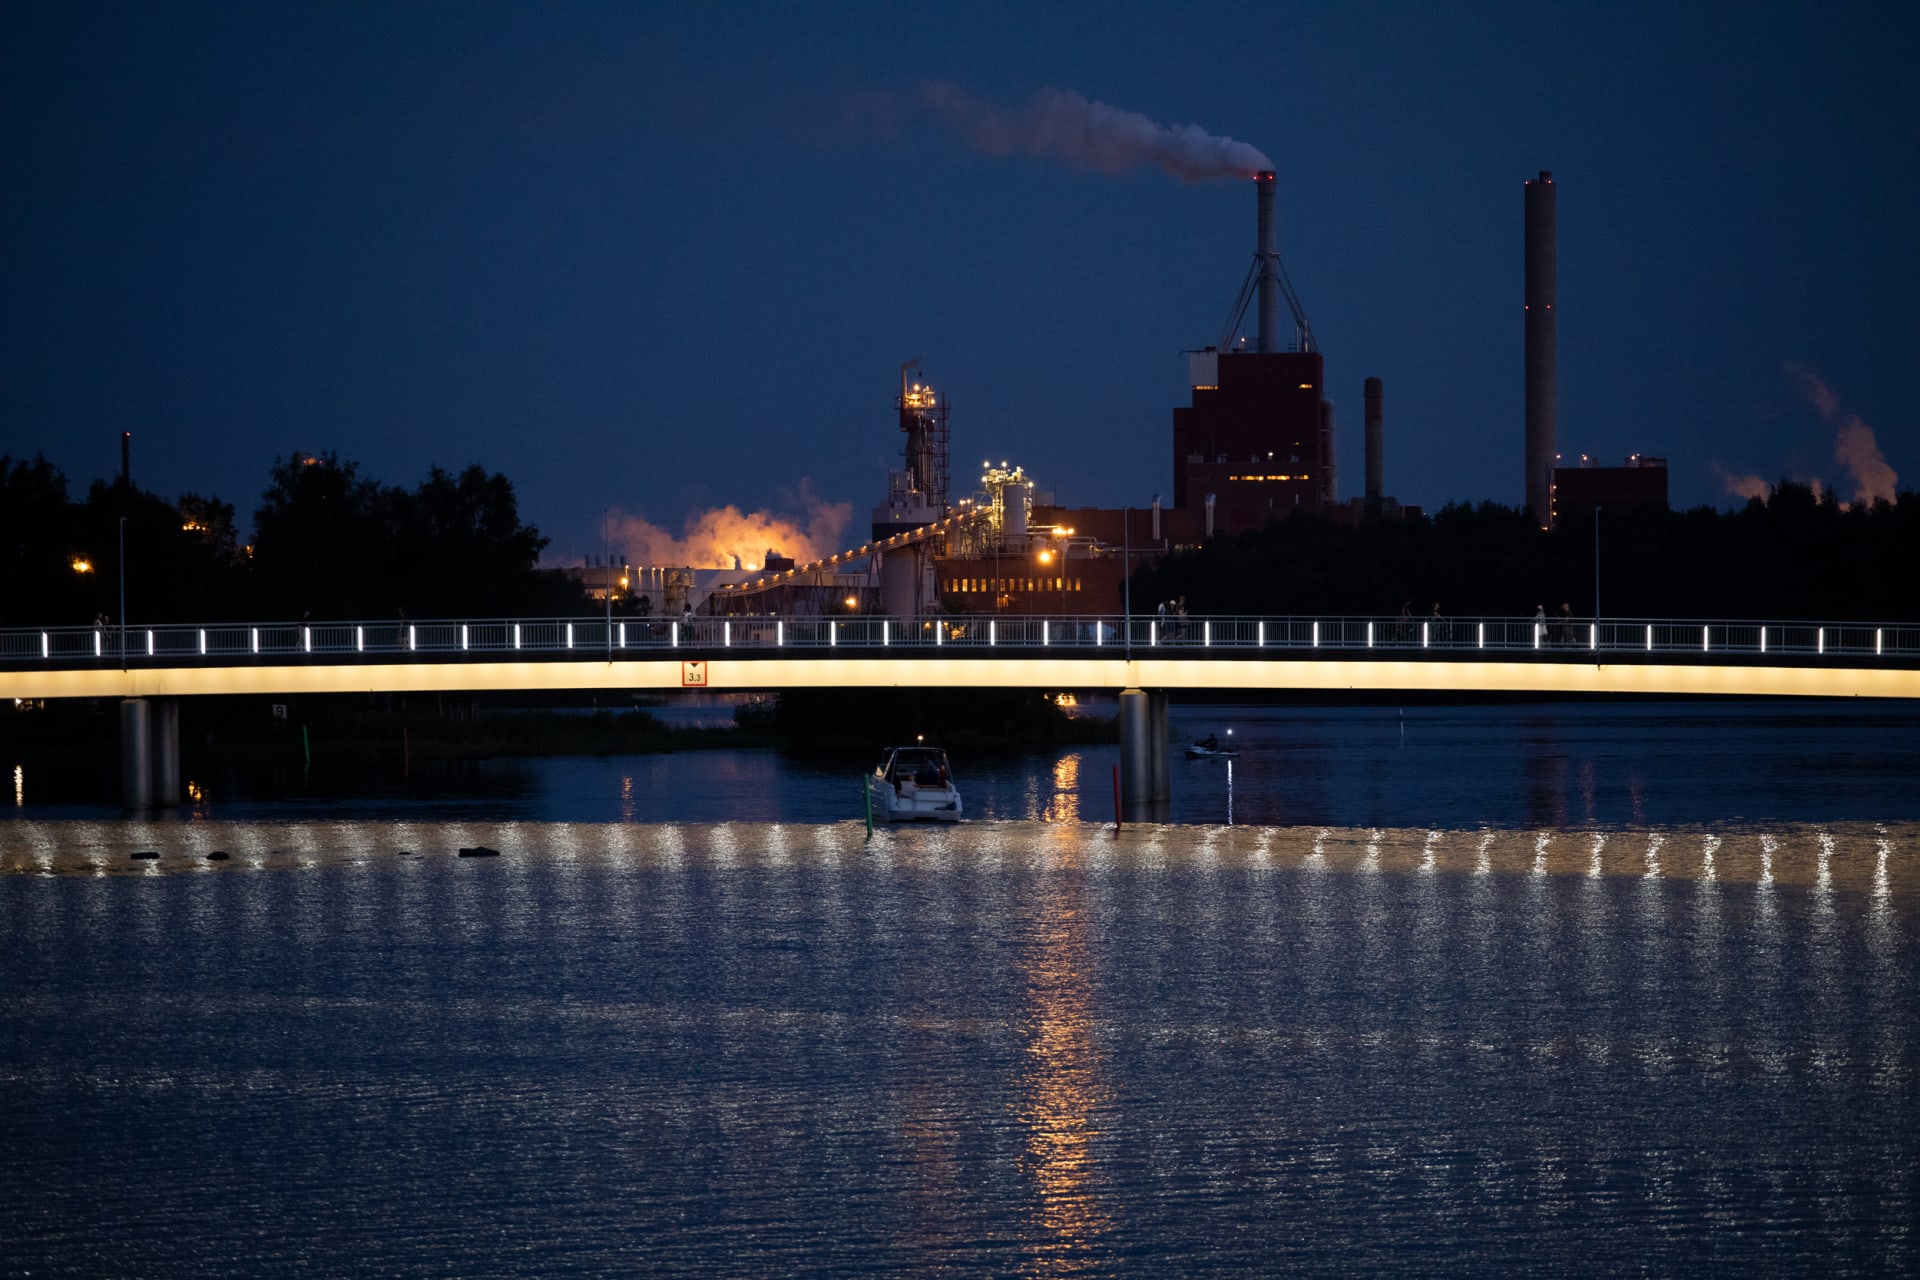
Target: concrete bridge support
(149,753)
(166,753)
(1145,785)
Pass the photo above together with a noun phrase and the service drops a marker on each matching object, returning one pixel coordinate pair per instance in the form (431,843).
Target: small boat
(913,784)
(1209,751)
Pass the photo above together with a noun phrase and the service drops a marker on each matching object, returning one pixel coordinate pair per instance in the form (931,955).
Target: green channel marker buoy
(866,790)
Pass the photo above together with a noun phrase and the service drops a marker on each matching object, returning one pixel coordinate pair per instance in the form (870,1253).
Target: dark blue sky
(669,258)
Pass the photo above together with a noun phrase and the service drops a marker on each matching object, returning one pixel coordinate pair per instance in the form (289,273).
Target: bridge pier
(149,753)
(1145,785)
(166,753)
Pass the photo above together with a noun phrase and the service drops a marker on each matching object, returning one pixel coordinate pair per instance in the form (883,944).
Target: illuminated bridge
(1141,659)
(1081,653)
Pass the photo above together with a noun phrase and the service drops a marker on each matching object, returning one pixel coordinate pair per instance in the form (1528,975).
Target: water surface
(1008,1048)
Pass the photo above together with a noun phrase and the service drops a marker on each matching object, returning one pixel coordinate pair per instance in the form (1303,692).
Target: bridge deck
(1647,657)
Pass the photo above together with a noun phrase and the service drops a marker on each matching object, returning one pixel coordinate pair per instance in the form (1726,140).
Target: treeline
(328,543)
(1794,555)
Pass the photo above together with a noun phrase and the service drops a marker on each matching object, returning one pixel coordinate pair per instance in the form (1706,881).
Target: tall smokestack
(1268,249)
(1374,459)
(1541,348)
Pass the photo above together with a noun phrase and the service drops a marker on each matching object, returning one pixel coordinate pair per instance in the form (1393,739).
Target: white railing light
(1593,635)
(1483,635)
(1704,630)
(726,635)
(1820,640)
(359,639)
(306,639)
(1649,637)
(1423,634)
(99,648)
(1763,639)
(463,635)
(569,635)
(256,638)
(203,642)
(1316,635)
(1260,634)
(149,642)
(1369,635)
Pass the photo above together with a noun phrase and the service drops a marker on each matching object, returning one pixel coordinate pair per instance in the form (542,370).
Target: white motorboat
(1209,749)
(913,784)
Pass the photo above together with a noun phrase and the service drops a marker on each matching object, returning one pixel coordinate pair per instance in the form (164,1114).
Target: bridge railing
(1619,638)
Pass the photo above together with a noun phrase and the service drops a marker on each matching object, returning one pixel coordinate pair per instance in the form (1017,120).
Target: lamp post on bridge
(123,593)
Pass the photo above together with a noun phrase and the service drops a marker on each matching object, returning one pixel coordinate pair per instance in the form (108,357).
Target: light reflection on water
(1066,1098)
(1006,1048)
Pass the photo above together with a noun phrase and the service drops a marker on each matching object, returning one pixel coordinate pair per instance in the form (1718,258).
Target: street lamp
(1596,574)
(123,590)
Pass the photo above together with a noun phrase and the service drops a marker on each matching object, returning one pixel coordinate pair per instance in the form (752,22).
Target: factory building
(1253,438)
(1640,483)
(1256,442)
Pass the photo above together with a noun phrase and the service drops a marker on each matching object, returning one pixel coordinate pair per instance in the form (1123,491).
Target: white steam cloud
(712,539)
(1854,446)
(1059,124)
(1747,486)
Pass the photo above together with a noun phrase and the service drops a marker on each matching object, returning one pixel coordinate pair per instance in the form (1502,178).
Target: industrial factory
(1255,443)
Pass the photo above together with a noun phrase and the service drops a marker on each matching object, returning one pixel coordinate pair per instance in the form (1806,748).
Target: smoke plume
(1854,446)
(1058,124)
(1747,486)
(712,539)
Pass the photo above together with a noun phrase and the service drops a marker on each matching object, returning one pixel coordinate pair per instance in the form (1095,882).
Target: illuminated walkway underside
(1080,674)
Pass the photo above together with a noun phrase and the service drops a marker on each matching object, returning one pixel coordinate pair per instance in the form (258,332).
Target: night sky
(667,259)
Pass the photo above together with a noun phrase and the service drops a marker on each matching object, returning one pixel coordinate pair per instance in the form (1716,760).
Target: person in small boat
(927,775)
(1210,743)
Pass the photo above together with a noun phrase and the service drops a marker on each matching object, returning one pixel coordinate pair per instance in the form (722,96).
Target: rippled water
(1009,1048)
